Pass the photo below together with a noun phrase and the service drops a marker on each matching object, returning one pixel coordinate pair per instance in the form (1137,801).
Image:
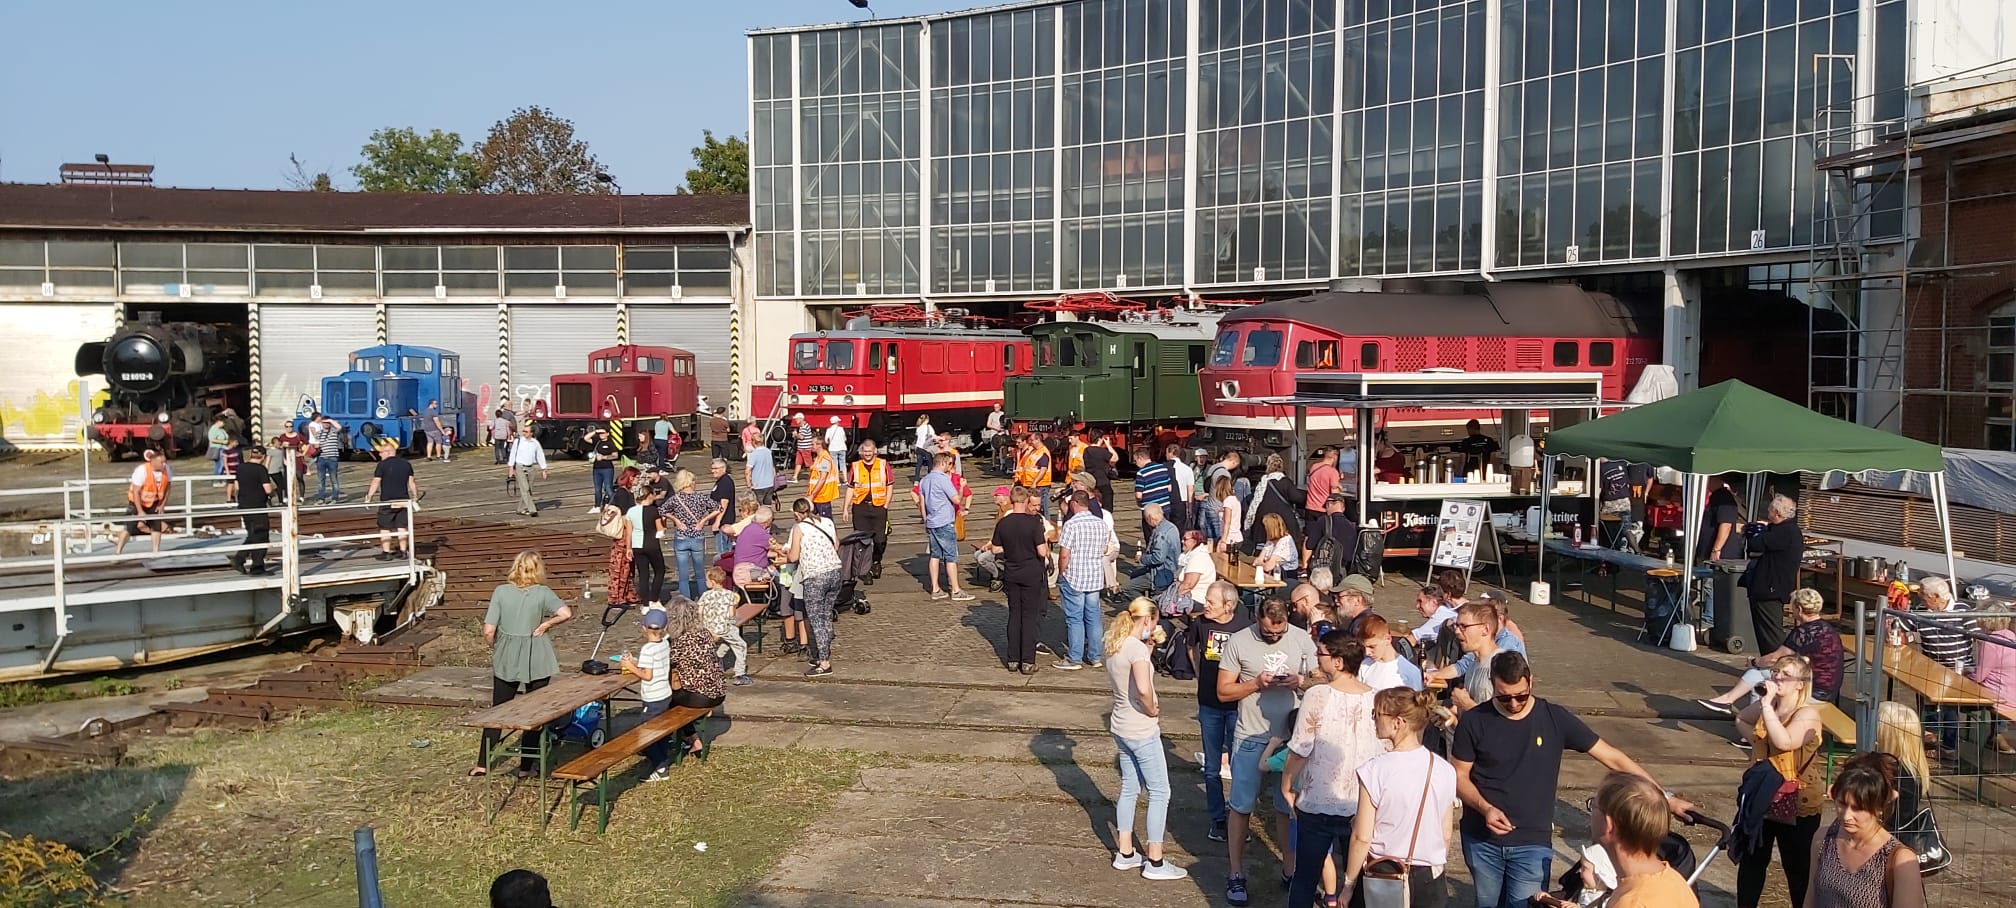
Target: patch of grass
(31,693)
(112,687)
(267,816)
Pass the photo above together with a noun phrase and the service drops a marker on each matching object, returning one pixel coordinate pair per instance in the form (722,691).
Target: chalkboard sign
(1463,536)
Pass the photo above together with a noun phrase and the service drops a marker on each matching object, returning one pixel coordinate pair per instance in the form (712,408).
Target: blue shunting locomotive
(387,391)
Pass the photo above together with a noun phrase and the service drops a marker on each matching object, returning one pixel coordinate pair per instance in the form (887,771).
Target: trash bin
(1733,631)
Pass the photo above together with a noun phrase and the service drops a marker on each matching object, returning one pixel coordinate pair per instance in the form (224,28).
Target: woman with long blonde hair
(1280,555)
(1137,730)
(686,515)
(522,610)
(1785,728)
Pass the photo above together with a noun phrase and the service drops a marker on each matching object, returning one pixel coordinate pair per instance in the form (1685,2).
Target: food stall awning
(1442,390)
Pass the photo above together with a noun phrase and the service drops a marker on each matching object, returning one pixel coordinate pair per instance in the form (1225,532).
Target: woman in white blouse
(1406,803)
(1233,526)
(1195,571)
(1334,735)
(1280,556)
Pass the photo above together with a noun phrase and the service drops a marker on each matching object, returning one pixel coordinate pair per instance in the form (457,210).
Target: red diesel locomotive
(631,384)
(1479,327)
(878,380)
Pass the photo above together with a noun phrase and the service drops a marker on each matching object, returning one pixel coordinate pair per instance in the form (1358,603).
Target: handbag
(1172,602)
(1784,807)
(1384,882)
(611,525)
(1920,832)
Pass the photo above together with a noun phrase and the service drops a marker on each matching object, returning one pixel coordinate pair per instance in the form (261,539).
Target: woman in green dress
(521,612)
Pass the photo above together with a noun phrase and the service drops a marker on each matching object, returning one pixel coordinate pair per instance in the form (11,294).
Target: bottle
(1896,635)
(1576,535)
(1903,572)
(1669,559)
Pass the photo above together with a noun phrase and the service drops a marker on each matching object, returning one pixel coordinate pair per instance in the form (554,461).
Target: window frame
(1572,348)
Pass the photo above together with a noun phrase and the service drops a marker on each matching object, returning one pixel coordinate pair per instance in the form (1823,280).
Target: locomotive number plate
(818,389)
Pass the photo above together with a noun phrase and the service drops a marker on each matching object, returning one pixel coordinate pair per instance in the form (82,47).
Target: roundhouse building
(1671,150)
(522,287)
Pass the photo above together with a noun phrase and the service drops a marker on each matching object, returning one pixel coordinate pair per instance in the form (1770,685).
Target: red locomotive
(1484,327)
(631,384)
(878,380)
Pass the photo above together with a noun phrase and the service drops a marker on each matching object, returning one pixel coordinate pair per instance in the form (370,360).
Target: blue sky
(217,93)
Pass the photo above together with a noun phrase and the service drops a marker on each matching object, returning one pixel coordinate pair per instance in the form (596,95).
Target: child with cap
(653,665)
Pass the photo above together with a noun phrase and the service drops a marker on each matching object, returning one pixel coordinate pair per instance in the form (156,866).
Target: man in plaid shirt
(1081,561)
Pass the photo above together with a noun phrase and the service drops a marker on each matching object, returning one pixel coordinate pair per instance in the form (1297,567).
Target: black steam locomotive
(167,381)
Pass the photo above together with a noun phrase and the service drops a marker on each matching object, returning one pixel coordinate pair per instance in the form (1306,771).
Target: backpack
(1331,552)
(1371,555)
(1172,656)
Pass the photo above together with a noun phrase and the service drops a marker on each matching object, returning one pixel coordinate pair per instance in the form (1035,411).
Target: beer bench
(592,768)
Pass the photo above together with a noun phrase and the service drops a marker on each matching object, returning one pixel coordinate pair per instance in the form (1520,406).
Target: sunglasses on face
(1512,701)
(1272,636)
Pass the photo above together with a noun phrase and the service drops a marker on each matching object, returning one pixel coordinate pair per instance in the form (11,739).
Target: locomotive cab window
(451,373)
(605,365)
(651,365)
(368,364)
(805,356)
(840,356)
(1263,348)
(1227,348)
(1566,353)
(1601,353)
(1320,354)
(416,365)
(1007,357)
(1368,356)
(874,356)
(1197,358)
(1088,350)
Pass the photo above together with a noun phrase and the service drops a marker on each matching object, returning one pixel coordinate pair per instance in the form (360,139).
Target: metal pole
(1945,509)
(84,444)
(1362,420)
(1863,690)
(366,845)
(1865,720)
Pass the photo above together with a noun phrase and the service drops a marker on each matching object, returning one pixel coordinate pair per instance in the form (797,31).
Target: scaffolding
(1882,332)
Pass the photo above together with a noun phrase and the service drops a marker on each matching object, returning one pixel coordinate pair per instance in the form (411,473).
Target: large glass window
(1263,348)
(840,355)
(804,356)
(697,270)
(1226,348)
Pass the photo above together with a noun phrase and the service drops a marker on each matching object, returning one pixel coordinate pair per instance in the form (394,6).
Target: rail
(289,542)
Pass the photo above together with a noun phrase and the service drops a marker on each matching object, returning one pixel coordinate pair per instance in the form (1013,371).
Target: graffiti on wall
(46,416)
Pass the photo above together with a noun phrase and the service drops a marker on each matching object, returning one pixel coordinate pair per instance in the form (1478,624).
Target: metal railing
(289,542)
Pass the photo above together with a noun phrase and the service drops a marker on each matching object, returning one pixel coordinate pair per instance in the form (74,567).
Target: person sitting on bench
(1814,637)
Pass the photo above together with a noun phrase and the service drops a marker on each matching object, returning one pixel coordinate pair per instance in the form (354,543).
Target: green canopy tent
(1732,427)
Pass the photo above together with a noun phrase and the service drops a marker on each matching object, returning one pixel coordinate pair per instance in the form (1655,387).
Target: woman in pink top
(1406,803)
(1334,735)
(1995,668)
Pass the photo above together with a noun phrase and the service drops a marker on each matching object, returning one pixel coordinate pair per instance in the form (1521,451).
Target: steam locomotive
(167,380)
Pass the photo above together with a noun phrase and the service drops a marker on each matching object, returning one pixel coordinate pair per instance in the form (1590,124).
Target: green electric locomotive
(1123,377)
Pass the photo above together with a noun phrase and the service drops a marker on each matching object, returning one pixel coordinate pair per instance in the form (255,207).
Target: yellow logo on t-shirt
(1538,741)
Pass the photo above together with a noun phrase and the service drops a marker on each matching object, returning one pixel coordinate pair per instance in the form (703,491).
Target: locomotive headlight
(769,376)
(382,410)
(161,416)
(605,414)
(848,389)
(848,400)
(1228,389)
(794,400)
(98,416)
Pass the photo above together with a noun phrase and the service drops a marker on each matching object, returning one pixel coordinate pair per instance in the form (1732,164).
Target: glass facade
(1144,144)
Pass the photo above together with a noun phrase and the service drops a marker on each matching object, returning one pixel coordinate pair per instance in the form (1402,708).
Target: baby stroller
(1675,850)
(857,561)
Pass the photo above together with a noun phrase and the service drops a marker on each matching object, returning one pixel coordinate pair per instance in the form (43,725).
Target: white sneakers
(1166,870)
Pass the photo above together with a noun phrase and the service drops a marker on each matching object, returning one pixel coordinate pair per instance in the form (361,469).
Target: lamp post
(603,177)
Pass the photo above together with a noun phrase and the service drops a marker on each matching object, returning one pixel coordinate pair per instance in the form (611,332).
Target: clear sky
(217,93)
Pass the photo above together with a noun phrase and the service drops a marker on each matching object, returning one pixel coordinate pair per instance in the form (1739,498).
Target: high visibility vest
(825,483)
(1031,471)
(1077,454)
(871,484)
(153,489)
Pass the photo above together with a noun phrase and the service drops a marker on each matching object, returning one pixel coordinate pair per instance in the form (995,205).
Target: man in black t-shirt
(1025,564)
(1207,634)
(1721,524)
(392,480)
(1477,448)
(1508,768)
(723,497)
(602,454)
(1099,463)
(253,488)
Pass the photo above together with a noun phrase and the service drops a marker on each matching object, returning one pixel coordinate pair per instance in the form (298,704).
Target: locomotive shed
(259,296)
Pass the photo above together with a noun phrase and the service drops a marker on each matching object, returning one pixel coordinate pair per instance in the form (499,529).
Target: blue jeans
(1083,635)
(216,460)
(1211,523)
(1507,876)
(659,755)
(1143,765)
(1249,775)
(689,562)
(1217,728)
(1314,835)
(328,481)
(605,485)
(723,544)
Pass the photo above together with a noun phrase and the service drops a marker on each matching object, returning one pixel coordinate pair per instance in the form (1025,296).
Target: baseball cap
(1083,479)
(653,619)
(833,420)
(1358,582)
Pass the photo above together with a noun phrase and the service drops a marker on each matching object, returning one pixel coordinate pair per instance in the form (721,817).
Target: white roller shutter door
(38,386)
(299,345)
(468,330)
(697,328)
(555,338)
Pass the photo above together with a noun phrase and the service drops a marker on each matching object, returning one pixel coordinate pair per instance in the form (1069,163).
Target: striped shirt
(1084,535)
(1152,483)
(329,441)
(1942,635)
(804,436)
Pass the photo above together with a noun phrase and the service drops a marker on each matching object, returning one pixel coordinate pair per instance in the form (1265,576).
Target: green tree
(400,159)
(533,151)
(719,166)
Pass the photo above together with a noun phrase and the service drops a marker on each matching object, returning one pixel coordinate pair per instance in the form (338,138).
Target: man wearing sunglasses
(1507,753)
(1477,628)
(1264,669)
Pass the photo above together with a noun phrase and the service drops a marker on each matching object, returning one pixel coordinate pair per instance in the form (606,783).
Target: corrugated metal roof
(1504,309)
(52,206)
